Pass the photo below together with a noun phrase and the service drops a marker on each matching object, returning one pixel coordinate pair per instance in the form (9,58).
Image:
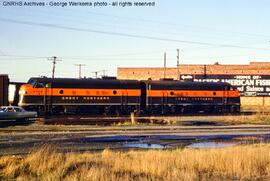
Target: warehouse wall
(255,101)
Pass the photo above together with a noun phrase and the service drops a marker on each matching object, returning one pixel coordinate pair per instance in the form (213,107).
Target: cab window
(39,85)
(48,85)
(31,82)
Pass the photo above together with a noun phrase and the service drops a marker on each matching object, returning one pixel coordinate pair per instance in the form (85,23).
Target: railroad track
(105,120)
(135,129)
(193,120)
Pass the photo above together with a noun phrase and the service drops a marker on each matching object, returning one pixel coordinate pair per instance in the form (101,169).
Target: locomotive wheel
(234,109)
(182,110)
(109,110)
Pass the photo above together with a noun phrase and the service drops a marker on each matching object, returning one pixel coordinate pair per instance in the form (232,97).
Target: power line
(168,23)
(125,34)
(21,56)
(145,26)
(20,59)
(90,56)
(83,58)
(116,55)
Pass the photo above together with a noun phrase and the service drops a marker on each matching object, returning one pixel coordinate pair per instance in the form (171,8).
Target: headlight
(22,92)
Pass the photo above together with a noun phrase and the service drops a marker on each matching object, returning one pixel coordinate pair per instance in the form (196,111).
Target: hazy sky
(104,38)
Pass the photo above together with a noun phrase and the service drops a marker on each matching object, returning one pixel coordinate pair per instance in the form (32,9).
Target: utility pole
(54,60)
(164,65)
(177,64)
(204,71)
(96,74)
(104,72)
(80,69)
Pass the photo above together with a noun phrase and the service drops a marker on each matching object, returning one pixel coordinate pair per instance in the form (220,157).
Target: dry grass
(257,118)
(236,163)
(255,108)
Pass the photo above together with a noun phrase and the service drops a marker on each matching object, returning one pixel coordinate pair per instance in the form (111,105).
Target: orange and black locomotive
(112,96)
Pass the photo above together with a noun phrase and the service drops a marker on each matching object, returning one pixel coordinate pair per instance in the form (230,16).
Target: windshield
(31,82)
(35,83)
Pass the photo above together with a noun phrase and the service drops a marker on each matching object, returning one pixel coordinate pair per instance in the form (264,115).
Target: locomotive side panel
(179,97)
(82,95)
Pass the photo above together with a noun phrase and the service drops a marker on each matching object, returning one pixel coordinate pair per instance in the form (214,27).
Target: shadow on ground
(201,123)
(8,123)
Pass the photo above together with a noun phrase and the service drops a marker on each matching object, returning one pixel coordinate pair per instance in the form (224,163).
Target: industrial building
(9,91)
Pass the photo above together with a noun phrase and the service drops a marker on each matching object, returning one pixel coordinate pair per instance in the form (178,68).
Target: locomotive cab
(28,92)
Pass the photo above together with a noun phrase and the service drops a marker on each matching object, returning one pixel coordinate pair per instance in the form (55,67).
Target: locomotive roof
(87,83)
(83,80)
(115,83)
(181,85)
(188,83)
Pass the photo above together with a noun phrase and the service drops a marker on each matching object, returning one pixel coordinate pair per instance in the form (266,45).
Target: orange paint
(192,93)
(30,91)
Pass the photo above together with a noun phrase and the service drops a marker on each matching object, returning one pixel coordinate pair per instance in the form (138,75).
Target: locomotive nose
(22,92)
(23,89)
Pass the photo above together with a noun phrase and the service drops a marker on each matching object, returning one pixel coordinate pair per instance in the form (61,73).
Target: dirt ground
(174,132)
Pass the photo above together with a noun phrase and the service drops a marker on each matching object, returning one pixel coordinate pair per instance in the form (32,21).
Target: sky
(106,37)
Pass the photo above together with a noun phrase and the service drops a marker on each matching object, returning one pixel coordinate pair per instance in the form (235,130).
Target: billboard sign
(248,85)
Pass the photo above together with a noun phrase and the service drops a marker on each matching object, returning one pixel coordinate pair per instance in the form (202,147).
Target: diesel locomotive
(119,97)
